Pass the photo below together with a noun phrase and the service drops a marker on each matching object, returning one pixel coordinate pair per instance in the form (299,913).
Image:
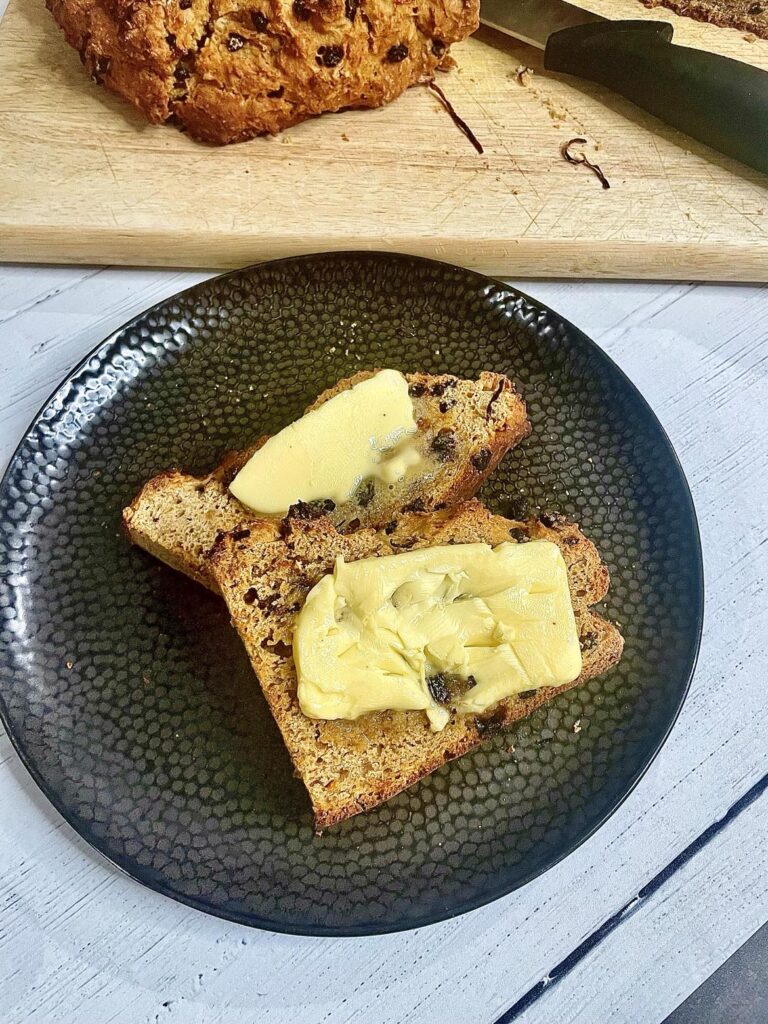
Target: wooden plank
(78,941)
(20,290)
(126,192)
(631,965)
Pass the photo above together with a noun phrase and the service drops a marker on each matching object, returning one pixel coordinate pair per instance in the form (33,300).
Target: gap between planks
(662,878)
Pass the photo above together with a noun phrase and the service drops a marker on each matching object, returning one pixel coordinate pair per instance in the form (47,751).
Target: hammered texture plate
(129,697)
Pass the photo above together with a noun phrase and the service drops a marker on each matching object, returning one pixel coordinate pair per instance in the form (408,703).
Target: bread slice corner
(176,516)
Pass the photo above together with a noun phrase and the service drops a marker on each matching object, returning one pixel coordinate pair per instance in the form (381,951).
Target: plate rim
(493,894)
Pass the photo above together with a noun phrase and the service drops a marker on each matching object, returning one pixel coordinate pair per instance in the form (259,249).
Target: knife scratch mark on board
(517,166)
(109,162)
(534,221)
(671,189)
(461,187)
(742,213)
(451,212)
(578,202)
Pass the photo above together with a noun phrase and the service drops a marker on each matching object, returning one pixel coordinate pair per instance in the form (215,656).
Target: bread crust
(228,71)
(348,767)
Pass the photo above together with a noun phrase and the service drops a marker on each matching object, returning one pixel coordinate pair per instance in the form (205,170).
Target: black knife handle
(718,101)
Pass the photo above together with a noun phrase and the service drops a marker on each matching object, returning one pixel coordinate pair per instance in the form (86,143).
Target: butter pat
(358,434)
(461,626)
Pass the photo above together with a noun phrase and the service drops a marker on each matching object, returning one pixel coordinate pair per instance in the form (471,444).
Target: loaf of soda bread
(226,72)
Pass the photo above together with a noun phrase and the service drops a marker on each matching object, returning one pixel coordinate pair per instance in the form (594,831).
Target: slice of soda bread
(351,766)
(465,427)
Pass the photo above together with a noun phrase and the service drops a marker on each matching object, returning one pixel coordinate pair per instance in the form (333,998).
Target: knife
(719,101)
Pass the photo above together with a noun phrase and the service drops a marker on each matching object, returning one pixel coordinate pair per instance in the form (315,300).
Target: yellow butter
(372,633)
(359,434)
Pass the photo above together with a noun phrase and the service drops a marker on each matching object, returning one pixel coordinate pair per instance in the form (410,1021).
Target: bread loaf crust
(746,15)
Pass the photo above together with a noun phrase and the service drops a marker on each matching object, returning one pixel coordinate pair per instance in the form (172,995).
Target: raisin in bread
(229,71)
(351,766)
(465,427)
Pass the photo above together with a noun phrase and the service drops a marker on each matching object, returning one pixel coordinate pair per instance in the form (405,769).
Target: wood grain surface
(624,928)
(84,178)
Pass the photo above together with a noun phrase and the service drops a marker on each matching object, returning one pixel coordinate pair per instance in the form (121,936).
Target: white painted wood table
(623,929)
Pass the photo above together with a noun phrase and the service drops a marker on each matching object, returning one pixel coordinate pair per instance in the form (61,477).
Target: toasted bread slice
(465,427)
(351,766)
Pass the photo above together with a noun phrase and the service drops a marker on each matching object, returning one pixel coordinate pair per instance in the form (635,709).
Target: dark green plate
(129,697)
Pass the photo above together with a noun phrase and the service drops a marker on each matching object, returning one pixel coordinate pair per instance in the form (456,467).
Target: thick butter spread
(386,633)
(356,435)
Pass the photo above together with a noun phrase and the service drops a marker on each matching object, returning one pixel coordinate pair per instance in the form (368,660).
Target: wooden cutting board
(84,179)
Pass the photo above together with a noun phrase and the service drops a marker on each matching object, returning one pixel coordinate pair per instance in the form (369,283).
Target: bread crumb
(750,37)
(577,725)
(344,137)
(523,74)
(70,664)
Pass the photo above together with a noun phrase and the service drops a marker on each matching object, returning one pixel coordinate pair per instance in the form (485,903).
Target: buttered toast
(351,766)
(464,429)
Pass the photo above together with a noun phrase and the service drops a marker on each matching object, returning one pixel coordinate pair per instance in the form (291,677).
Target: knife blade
(531,20)
(719,101)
